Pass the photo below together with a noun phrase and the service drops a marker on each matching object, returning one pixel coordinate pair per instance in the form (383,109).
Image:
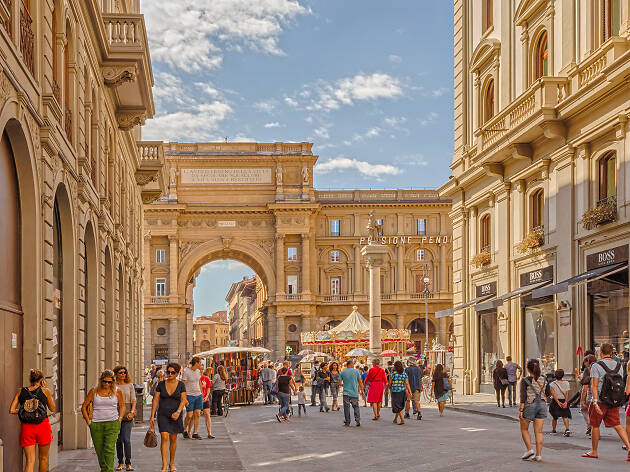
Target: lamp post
(426,312)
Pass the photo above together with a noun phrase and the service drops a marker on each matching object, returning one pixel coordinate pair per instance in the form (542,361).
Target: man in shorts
(598,411)
(192,379)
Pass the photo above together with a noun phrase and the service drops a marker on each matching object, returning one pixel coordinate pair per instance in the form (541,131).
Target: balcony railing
(593,66)
(336,298)
(289,297)
(124,30)
(422,296)
(27,39)
(159,300)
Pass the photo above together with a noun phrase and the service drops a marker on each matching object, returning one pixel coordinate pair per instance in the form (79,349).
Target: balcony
(159,300)
(289,297)
(150,174)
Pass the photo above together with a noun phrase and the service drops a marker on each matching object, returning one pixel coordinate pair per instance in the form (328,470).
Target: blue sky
(368,82)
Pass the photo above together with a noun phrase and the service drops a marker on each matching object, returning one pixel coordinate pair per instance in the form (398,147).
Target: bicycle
(226,402)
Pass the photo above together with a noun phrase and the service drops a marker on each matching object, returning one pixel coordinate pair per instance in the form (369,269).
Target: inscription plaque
(226,176)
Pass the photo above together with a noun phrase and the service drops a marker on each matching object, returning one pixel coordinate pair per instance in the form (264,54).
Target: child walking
(301,400)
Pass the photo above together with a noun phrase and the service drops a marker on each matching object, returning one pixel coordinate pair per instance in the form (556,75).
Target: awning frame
(451,311)
(496,302)
(580,279)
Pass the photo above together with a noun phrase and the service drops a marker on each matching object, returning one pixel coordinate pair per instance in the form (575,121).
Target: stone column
(172,267)
(443,285)
(400,321)
(280,336)
(400,275)
(280,256)
(148,344)
(357,269)
(147,264)
(306,264)
(173,341)
(375,256)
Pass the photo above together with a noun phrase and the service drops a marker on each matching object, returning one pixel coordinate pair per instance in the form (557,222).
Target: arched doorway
(385,324)
(205,345)
(330,324)
(417,332)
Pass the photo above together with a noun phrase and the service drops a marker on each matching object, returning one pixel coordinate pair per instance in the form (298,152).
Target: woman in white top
(123,444)
(559,407)
(108,410)
(218,390)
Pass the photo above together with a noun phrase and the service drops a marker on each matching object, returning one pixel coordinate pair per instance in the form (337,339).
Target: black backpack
(32,411)
(613,392)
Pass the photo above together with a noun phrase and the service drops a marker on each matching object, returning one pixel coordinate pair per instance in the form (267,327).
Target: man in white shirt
(192,379)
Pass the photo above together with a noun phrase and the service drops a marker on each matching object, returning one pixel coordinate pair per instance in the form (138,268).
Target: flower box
(604,212)
(480,259)
(535,238)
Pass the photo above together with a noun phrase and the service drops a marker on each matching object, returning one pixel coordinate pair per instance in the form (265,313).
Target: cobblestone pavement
(251,439)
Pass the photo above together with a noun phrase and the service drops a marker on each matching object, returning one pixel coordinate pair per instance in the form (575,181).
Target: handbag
(150,439)
(504,381)
(447,385)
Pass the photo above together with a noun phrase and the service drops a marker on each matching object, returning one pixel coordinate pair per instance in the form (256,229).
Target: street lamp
(426,311)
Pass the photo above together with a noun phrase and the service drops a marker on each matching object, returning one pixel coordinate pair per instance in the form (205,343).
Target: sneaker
(347,425)
(536,459)
(327,409)
(419,416)
(567,433)
(210,436)
(286,420)
(407,415)
(185,434)
(279,418)
(358,423)
(553,431)
(528,455)
(196,436)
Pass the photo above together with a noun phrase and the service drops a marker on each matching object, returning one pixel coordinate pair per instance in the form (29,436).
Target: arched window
(331,324)
(93,135)
(487,15)
(607,177)
(538,209)
(484,234)
(66,83)
(542,56)
(488,102)
(611,18)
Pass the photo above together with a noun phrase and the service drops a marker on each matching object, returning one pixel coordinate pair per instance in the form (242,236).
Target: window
(488,16)
(335,285)
(538,209)
(379,222)
(292,253)
(334,227)
(292,284)
(542,56)
(382,283)
(419,254)
(55,54)
(607,177)
(611,18)
(160,287)
(420,285)
(422,226)
(488,107)
(160,256)
(334,256)
(484,234)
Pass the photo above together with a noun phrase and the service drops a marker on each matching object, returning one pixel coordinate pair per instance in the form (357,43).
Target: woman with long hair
(334,385)
(35,430)
(108,411)
(169,401)
(533,408)
(441,387)
(376,379)
(285,386)
(218,390)
(123,444)
(400,390)
(500,382)
(206,392)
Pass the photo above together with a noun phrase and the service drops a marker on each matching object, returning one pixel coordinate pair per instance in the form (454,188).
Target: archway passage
(417,327)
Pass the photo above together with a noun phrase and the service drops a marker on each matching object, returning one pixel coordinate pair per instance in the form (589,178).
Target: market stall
(241,365)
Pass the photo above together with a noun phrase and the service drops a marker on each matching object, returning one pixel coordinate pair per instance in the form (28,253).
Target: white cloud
(430,118)
(208,89)
(308,119)
(322,132)
(266,106)
(411,160)
(192,34)
(370,133)
(291,102)
(199,122)
(395,121)
(439,92)
(364,168)
(226,265)
(394,59)
(273,124)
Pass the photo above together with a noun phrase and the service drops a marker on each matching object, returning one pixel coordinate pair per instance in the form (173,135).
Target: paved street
(251,439)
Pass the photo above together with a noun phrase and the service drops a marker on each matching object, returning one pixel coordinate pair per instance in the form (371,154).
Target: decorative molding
(521,151)
(115,76)
(128,120)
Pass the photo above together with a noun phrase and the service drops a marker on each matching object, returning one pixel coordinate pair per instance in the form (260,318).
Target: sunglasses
(170,372)
(107,381)
(122,372)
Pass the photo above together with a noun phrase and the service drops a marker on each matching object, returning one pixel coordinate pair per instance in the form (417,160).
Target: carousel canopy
(231,350)
(354,322)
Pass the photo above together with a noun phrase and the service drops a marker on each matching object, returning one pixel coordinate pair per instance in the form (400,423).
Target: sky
(369,82)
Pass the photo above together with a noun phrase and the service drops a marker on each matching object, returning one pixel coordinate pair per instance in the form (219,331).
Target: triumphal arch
(255,203)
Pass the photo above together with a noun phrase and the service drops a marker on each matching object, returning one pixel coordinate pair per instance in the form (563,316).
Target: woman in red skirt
(377,380)
(31,405)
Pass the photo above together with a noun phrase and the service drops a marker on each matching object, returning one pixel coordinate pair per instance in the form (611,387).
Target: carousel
(353,333)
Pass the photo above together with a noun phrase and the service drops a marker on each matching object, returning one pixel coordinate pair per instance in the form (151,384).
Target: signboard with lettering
(161,352)
(487,289)
(226,176)
(227,224)
(607,257)
(403,239)
(536,276)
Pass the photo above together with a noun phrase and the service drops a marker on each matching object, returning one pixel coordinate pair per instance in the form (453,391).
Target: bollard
(139,403)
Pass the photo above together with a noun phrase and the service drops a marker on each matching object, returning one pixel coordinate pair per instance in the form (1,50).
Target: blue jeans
(322,398)
(313,394)
(267,391)
(512,393)
(123,443)
(284,404)
(301,406)
(354,401)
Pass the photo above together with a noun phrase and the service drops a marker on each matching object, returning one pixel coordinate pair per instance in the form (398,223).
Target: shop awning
(496,302)
(451,311)
(585,277)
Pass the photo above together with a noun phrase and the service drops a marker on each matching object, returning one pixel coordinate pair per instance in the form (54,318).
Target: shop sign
(486,289)
(402,240)
(537,276)
(607,257)
(161,352)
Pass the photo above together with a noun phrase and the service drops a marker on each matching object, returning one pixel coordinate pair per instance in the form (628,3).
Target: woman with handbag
(500,382)
(31,404)
(218,390)
(533,409)
(441,387)
(123,444)
(169,401)
(108,410)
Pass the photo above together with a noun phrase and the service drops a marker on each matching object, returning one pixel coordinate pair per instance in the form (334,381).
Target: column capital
(306,235)
(173,237)
(280,236)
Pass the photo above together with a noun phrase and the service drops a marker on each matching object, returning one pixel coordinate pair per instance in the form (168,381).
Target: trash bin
(139,403)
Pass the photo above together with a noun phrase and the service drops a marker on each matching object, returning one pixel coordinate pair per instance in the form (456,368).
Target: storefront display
(489,344)
(609,299)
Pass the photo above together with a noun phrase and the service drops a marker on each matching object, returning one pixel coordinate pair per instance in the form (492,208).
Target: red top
(376,374)
(206,383)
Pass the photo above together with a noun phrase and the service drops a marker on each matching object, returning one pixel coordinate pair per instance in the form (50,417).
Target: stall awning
(585,277)
(451,311)
(496,302)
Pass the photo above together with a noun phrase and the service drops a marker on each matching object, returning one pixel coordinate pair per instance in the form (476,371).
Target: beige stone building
(211,331)
(74,86)
(242,304)
(540,182)
(255,202)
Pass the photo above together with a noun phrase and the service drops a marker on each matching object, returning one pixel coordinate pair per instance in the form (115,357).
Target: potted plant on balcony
(604,212)
(535,238)
(481,258)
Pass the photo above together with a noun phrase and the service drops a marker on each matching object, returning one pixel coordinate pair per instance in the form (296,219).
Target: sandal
(130,467)
(120,467)
(589,455)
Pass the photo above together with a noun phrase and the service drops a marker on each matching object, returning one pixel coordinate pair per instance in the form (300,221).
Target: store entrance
(610,311)
(490,350)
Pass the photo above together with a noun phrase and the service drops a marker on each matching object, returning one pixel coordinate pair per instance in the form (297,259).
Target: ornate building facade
(255,202)
(540,182)
(211,331)
(75,82)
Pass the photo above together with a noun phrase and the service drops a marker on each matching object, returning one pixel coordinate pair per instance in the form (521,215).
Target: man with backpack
(514,372)
(608,391)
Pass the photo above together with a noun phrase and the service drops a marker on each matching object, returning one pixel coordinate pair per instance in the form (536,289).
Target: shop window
(334,256)
(489,345)
(160,287)
(488,102)
(419,255)
(292,284)
(607,177)
(292,254)
(538,209)
(608,305)
(334,227)
(542,56)
(484,234)
(422,226)
(488,16)
(160,256)
(611,16)
(335,285)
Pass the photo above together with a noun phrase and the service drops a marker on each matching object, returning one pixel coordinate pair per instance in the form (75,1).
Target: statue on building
(374,229)
(172,172)
(305,175)
(279,175)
